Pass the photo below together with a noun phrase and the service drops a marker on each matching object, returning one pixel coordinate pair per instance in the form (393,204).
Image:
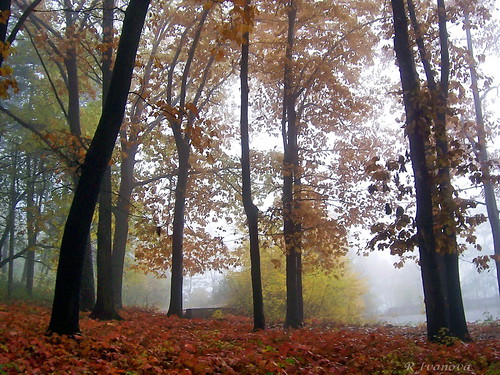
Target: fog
(393,295)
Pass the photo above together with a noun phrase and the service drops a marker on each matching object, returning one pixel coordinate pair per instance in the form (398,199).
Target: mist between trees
(262,148)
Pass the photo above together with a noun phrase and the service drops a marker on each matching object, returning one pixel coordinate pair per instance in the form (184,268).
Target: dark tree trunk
(444,223)
(291,182)
(12,226)
(183,146)
(104,308)
(176,298)
(64,318)
(251,210)
(442,294)
(29,264)
(482,154)
(122,213)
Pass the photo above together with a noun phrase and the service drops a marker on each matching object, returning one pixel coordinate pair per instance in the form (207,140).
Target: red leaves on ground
(152,343)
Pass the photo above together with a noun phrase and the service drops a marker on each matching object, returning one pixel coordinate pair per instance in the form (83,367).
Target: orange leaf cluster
(152,343)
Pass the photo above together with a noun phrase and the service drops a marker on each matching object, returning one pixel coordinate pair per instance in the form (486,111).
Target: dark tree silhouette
(439,267)
(65,310)
(251,210)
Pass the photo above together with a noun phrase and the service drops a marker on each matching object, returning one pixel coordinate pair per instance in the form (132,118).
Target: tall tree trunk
(122,212)
(446,223)
(482,153)
(291,182)
(251,209)
(176,298)
(29,264)
(183,145)
(439,269)
(104,308)
(12,226)
(64,318)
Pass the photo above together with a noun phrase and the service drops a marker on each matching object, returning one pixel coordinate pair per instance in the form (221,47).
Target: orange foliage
(152,343)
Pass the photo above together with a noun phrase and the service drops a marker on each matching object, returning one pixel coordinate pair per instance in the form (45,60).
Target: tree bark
(104,308)
(176,298)
(65,317)
(29,264)
(291,183)
(251,209)
(122,212)
(12,226)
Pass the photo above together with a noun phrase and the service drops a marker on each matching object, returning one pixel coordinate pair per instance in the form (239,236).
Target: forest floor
(148,342)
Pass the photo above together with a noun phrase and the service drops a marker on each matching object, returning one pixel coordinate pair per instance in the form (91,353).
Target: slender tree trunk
(482,153)
(176,298)
(29,264)
(183,146)
(104,308)
(291,180)
(12,218)
(122,212)
(251,209)
(65,318)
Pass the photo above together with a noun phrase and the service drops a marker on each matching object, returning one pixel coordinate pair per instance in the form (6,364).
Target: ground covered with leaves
(151,343)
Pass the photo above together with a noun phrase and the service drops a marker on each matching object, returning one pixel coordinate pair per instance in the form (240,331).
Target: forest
(249,155)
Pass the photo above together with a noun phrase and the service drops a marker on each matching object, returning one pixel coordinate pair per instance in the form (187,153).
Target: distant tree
(65,310)
(480,145)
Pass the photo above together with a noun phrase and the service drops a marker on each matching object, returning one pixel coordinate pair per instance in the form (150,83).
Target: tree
(64,318)
(251,210)
(436,234)
(315,91)
(480,149)
(291,185)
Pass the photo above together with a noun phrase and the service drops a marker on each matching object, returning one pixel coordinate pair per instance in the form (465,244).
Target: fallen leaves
(152,343)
